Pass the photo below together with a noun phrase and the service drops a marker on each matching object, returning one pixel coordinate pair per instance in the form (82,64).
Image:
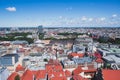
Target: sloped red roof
(99,60)
(58,68)
(77,70)
(56,74)
(81,55)
(58,78)
(54,62)
(28,75)
(12,76)
(34,72)
(68,73)
(96,54)
(78,77)
(41,74)
(76,54)
(50,67)
(111,74)
(89,70)
(73,54)
(19,68)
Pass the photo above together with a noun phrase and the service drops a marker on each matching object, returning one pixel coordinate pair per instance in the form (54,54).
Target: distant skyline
(60,13)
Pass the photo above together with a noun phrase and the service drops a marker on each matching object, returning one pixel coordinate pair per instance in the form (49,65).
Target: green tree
(41,36)
(17,77)
(45,60)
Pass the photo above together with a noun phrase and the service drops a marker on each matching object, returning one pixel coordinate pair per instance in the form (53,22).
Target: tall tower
(40,29)
(35,35)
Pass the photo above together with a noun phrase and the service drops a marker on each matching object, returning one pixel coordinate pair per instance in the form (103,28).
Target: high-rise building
(40,29)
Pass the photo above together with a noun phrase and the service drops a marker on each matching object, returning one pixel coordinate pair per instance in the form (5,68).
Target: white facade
(4,74)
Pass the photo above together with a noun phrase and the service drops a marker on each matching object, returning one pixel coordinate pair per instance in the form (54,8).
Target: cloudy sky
(60,13)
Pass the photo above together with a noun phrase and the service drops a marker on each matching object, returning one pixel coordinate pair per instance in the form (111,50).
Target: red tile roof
(28,75)
(77,70)
(54,62)
(58,78)
(58,67)
(96,54)
(89,71)
(68,73)
(12,76)
(99,60)
(34,72)
(76,54)
(41,74)
(78,77)
(19,68)
(111,74)
(56,74)
(59,75)
(50,67)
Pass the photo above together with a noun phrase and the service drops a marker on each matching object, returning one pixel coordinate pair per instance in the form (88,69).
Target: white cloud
(114,15)
(102,19)
(86,21)
(60,17)
(90,19)
(11,9)
(83,18)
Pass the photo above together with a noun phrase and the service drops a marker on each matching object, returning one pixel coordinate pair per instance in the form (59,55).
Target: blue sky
(60,13)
